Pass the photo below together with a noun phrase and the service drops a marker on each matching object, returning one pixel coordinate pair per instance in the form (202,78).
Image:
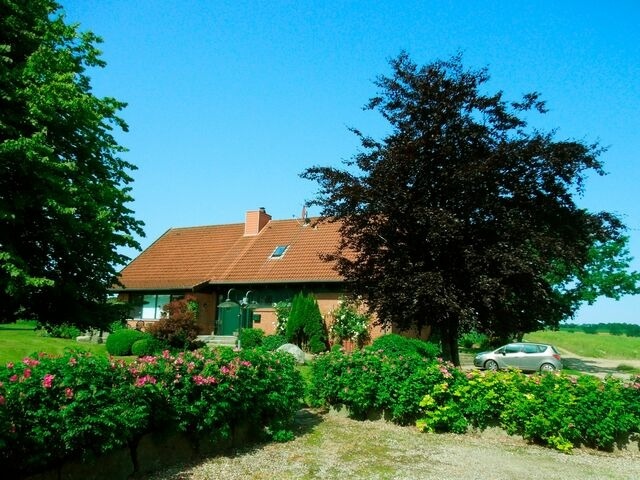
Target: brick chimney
(255,220)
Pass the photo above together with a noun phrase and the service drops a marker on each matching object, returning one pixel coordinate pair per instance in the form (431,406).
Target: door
(228,318)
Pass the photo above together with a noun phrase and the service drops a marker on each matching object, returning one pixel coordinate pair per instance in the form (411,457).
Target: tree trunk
(449,342)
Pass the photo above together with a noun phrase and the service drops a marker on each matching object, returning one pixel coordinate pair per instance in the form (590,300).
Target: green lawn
(17,340)
(600,345)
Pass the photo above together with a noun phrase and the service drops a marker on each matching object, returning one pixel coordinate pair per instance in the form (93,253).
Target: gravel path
(330,446)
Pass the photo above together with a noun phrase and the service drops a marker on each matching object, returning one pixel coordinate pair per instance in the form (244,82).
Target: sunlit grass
(18,340)
(601,345)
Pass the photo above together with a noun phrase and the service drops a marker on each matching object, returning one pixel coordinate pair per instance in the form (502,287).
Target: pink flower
(166,354)
(68,393)
(30,362)
(2,400)
(13,378)
(141,381)
(47,381)
(10,365)
(246,363)
(26,373)
(73,361)
(201,380)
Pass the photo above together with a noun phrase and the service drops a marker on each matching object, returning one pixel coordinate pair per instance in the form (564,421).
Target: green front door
(228,318)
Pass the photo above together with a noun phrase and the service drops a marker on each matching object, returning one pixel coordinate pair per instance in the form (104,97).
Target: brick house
(236,271)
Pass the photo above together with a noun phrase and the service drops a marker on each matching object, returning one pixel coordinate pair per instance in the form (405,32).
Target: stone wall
(152,452)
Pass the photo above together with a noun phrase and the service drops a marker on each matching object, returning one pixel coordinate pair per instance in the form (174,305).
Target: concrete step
(228,340)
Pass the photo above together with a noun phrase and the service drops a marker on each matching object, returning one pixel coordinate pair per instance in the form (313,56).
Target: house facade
(235,271)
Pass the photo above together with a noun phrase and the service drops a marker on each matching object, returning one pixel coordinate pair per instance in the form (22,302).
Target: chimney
(255,220)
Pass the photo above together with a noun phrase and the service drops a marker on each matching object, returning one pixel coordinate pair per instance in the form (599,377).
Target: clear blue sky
(230,100)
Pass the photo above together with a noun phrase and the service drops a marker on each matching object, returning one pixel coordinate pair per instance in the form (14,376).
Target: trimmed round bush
(120,342)
(393,344)
(251,337)
(146,346)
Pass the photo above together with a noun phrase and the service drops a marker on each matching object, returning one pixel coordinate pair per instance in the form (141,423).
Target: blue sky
(230,100)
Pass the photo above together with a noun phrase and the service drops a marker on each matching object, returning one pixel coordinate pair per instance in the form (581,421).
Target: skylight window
(279,251)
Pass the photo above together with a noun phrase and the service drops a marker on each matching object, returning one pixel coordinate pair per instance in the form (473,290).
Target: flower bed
(78,406)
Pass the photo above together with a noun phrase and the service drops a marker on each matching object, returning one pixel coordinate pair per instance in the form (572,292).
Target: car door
(512,355)
(531,357)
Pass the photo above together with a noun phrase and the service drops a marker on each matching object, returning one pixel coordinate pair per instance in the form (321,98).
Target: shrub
(282,310)
(178,327)
(591,329)
(63,330)
(119,343)
(349,323)
(471,339)
(372,380)
(79,405)
(76,405)
(147,345)
(393,344)
(305,326)
(272,342)
(555,410)
(250,337)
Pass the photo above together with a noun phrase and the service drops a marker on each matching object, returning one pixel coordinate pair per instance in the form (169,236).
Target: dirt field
(330,446)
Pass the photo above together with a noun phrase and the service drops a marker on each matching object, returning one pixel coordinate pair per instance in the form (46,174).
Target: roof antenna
(304,216)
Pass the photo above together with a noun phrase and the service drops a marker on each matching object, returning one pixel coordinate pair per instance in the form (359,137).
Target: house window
(149,307)
(279,251)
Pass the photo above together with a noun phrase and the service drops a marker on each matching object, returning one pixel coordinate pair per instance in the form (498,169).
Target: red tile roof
(183,258)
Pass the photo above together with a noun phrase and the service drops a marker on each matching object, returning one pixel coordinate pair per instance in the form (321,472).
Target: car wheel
(491,365)
(547,367)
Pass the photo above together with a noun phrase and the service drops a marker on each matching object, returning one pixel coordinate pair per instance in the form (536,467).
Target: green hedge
(79,405)
(393,344)
(370,380)
(119,343)
(556,410)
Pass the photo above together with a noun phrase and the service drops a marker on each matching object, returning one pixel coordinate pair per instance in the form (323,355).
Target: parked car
(524,356)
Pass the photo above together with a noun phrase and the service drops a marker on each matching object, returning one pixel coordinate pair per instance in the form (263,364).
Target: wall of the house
(265,296)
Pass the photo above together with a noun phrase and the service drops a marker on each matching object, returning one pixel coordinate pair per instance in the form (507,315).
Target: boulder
(293,350)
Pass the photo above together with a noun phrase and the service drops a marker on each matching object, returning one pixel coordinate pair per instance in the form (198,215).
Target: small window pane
(161,301)
(279,251)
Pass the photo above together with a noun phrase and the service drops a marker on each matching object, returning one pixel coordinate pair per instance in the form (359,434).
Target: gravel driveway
(330,446)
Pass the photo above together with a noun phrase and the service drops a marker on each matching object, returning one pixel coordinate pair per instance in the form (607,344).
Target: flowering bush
(79,405)
(282,310)
(552,409)
(370,380)
(70,406)
(349,323)
(178,326)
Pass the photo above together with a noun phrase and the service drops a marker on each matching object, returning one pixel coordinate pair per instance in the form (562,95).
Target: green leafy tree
(459,216)
(64,187)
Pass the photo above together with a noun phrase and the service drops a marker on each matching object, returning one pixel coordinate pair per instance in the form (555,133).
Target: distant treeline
(627,329)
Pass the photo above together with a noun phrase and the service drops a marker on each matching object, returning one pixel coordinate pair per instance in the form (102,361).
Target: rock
(293,350)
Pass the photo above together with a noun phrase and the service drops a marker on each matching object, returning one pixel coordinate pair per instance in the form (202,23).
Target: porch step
(213,340)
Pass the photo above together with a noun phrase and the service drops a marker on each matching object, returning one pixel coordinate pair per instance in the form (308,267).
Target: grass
(600,345)
(18,340)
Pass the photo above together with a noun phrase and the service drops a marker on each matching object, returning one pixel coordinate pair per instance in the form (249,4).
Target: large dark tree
(63,185)
(462,216)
